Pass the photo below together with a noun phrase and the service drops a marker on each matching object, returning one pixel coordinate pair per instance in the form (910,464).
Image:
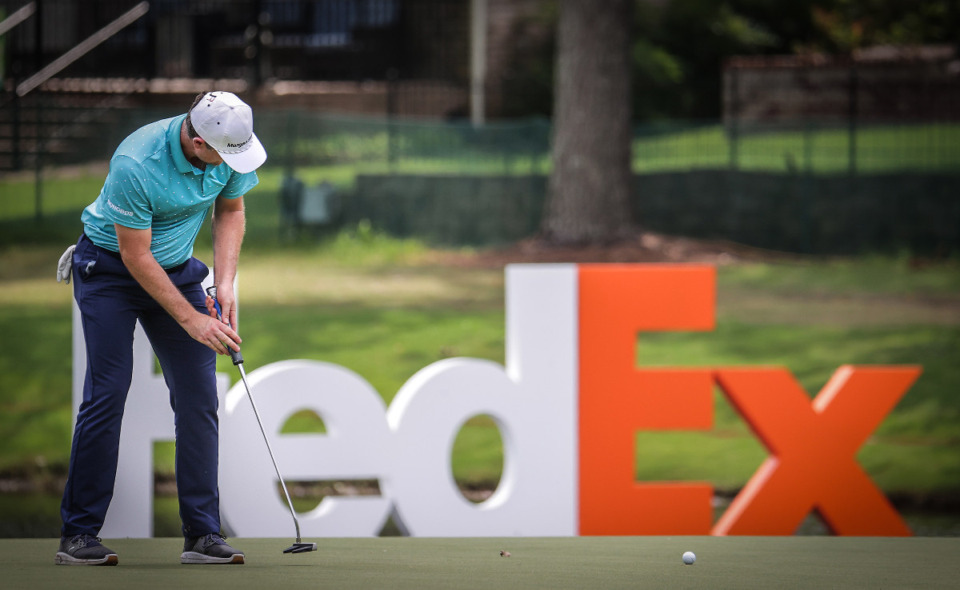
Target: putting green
(577,562)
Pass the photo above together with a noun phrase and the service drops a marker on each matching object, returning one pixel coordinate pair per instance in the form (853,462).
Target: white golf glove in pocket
(65,266)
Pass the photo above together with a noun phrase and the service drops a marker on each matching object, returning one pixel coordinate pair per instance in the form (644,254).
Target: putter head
(301,548)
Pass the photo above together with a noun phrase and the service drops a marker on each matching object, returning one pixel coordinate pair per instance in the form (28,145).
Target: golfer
(134,261)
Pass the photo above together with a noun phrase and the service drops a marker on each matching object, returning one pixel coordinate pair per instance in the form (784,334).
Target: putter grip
(234,354)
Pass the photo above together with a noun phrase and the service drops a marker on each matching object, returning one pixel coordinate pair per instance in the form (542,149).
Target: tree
(590,186)
(845,25)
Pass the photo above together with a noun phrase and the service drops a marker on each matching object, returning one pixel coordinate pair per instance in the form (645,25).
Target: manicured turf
(585,562)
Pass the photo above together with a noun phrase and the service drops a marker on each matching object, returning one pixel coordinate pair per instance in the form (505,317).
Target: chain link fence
(793,189)
(304,139)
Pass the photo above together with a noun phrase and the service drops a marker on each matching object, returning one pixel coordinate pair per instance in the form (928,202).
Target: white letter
(354,447)
(533,402)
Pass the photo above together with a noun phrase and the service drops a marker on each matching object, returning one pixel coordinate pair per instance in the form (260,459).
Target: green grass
(380,308)
(578,562)
(35,384)
(874,275)
(385,308)
(477,454)
(816,149)
(521,147)
(28,515)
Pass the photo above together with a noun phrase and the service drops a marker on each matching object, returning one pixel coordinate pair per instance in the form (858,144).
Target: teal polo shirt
(152,185)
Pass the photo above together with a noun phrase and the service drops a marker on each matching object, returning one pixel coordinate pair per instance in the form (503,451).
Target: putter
(298,547)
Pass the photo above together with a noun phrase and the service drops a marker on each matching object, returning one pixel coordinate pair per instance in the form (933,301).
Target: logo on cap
(225,123)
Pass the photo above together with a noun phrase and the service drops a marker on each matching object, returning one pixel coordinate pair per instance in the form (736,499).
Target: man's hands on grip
(212,332)
(228,305)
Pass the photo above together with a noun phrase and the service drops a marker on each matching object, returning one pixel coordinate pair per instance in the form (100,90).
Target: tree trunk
(590,186)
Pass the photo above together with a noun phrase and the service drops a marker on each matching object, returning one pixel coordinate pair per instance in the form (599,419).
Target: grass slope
(386,308)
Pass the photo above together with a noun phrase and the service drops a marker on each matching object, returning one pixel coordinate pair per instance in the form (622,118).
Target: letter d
(532,401)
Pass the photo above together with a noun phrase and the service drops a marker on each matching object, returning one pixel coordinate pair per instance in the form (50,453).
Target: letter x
(812,463)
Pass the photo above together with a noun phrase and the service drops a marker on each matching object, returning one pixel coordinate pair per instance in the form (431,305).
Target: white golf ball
(689,557)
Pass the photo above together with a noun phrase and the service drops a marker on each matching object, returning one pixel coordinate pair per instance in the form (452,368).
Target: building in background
(439,59)
(416,57)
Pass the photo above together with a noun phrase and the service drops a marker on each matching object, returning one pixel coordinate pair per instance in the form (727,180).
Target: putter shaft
(297,547)
(253,404)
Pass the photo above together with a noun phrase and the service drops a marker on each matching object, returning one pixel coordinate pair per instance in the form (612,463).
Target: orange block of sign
(617,399)
(812,463)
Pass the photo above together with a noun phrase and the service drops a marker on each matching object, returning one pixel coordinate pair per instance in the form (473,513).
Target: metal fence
(88,127)
(302,139)
(252,40)
(523,146)
(453,182)
(892,103)
(794,190)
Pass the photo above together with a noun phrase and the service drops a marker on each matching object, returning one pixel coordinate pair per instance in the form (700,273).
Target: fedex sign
(568,404)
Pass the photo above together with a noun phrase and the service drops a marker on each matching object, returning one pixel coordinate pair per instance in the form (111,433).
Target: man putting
(134,261)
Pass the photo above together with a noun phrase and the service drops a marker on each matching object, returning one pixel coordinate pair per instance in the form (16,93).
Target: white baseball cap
(226,123)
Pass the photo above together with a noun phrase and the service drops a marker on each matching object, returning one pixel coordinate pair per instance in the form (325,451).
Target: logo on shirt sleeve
(118,209)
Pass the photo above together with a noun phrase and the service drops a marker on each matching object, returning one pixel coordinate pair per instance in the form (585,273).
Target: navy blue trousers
(111,301)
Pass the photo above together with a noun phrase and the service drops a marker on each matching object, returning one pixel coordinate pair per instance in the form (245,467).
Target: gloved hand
(65,266)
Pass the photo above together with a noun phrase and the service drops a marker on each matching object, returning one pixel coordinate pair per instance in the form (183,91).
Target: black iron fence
(387,56)
(875,88)
(252,40)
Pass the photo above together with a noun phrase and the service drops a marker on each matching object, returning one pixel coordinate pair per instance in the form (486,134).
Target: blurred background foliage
(679,45)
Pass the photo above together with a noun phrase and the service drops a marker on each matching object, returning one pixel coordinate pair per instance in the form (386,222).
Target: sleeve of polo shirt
(127,203)
(239,185)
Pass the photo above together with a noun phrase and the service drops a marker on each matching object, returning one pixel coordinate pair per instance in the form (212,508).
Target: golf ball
(689,557)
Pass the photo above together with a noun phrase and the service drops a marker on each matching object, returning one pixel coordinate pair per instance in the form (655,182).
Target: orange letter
(813,463)
(617,399)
